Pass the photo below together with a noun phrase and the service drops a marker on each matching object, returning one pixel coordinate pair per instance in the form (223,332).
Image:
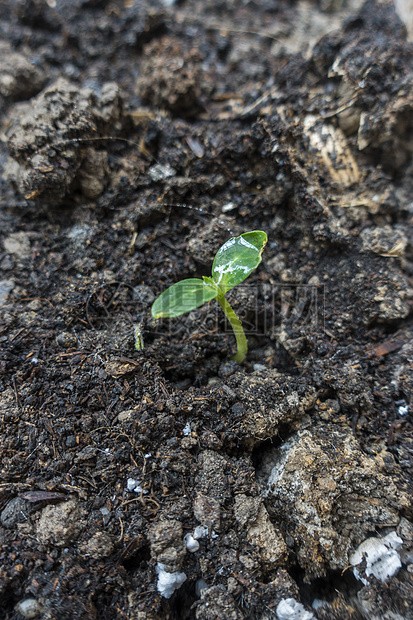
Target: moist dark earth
(168,482)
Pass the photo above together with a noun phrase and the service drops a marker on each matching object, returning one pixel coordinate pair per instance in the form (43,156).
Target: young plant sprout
(233,263)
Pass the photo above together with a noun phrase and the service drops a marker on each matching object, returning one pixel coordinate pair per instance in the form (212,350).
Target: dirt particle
(61,525)
(66,340)
(216,603)
(18,244)
(207,511)
(16,511)
(98,547)
(253,516)
(20,78)
(167,547)
(48,157)
(172,76)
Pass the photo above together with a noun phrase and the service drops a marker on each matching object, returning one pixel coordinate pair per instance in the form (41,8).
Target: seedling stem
(242,344)
(233,263)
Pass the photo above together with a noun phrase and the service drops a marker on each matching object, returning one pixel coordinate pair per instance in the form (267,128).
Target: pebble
(229,206)
(15,512)
(29,608)
(227,369)
(66,340)
(124,416)
(259,367)
(200,532)
(17,243)
(5,287)
(200,585)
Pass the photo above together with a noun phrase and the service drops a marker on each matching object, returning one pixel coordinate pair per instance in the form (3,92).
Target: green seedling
(233,263)
(137,329)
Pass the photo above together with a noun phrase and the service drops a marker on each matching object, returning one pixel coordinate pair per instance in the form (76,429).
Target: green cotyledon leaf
(237,258)
(182,297)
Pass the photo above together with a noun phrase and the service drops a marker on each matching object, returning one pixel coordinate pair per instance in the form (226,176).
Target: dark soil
(137,137)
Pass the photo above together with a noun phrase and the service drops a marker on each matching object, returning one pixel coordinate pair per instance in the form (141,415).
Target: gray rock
(19,77)
(15,512)
(29,608)
(18,244)
(6,286)
(384,240)
(328,493)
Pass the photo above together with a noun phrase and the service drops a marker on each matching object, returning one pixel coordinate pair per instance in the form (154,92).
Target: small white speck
(148,456)
(29,608)
(135,486)
(187,429)
(258,367)
(200,532)
(105,451)
(319,603)
(131,484)
(168,582)
(404,410)
(290,609)
(159,172)
(191,543)
(382,559)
